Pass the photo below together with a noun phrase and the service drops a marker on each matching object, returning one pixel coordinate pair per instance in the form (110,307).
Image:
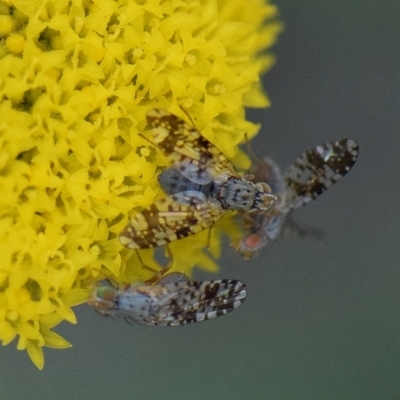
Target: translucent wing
(307,178)
(184,144)
(185,189)
(176,302)
(318,169)
(189,302)
(166,220)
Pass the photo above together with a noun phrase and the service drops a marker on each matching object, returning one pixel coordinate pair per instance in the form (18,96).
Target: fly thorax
(237,194)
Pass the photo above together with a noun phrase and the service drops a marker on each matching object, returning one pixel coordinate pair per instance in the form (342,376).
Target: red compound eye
(252,241)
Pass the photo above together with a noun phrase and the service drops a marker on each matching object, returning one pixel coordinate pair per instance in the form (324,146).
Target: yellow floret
(6,25)
(15,44)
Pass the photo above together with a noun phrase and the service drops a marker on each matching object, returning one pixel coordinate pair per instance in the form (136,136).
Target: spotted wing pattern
(166,221)
(183,143)
(175,302)
(307,178)
(318,169)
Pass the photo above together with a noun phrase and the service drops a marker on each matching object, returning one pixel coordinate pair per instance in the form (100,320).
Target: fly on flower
(201,186)
(307,178)
(172,301)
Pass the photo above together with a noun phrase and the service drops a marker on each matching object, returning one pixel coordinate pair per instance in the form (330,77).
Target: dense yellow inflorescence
(76,81)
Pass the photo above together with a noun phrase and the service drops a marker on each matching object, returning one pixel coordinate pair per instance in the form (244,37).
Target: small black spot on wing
(318,169)
(210,299)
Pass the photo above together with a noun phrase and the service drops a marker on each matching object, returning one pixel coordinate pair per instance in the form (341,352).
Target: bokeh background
(322,318)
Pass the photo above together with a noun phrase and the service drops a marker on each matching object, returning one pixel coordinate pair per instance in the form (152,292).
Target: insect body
(172,301)
(201,184)
(306,179)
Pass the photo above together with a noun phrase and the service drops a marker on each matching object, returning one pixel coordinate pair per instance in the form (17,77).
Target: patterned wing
(177,302)
(307,178)
(188,302)
(166,221)
(318,169)
(184,144)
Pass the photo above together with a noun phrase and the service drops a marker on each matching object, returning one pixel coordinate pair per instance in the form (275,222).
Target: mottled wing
(184,144)
(166,221)
(189,302)
(316,170)
(308,177)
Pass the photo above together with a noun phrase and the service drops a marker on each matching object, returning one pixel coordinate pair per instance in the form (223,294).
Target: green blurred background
(322,318)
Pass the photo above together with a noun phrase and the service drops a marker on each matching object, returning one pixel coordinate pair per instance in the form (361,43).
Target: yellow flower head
(76,81)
